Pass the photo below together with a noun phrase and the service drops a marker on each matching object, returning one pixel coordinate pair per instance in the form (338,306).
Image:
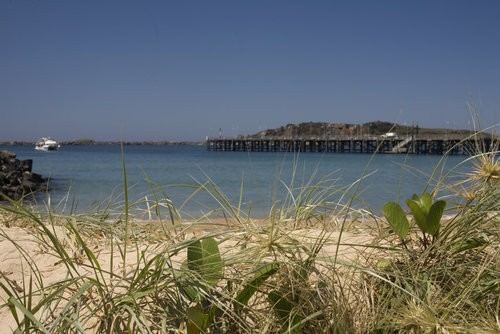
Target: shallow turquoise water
(86,177)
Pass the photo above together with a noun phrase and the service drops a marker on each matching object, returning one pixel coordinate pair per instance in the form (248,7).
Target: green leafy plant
(396,217)
(205,264)
(426,214)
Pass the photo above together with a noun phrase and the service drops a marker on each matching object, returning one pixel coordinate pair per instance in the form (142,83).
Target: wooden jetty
(395,145)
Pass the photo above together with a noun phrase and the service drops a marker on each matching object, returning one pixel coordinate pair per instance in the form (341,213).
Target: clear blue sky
(180,70)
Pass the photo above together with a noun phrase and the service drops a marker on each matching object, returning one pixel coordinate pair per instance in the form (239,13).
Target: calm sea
(84,178)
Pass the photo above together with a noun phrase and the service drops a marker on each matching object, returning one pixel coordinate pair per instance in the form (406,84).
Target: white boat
(46,144)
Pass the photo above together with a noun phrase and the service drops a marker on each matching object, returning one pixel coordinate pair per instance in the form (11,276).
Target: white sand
(17,244)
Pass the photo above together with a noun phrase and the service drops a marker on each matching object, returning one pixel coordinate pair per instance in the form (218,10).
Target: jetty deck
(395,145)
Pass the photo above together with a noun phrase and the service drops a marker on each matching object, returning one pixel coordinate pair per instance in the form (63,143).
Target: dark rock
(5,155)
(37,178)
(26,165)
(29,185)
(16,178)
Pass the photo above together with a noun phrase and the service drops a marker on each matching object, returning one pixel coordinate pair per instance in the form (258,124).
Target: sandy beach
(24,249)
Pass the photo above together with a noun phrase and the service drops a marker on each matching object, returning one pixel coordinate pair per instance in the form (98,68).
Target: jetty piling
(370,145)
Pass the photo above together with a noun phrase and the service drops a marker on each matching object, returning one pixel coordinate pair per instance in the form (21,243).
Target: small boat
(46,144)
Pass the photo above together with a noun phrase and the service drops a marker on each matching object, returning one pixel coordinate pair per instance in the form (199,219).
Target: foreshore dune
(28,252)
(351,272)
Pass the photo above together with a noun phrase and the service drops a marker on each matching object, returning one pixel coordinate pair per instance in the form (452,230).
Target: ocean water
(86,178)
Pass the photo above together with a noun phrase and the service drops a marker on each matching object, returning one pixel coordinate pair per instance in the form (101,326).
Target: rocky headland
(317,130)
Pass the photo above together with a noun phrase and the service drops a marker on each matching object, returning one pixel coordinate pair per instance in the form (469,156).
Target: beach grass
(313,265)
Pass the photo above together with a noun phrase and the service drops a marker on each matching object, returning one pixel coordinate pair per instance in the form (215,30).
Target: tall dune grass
(307,268)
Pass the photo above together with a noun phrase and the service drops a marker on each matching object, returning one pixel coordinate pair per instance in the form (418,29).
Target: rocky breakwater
(16,178)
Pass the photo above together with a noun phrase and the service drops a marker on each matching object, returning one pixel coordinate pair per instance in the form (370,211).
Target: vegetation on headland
(377,128)
(312,266)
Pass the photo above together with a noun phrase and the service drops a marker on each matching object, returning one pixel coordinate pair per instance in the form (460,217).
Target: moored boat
(47,144)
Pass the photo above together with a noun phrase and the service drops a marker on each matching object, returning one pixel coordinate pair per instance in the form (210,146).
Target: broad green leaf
(197,320)
(419,214)
(194,255)
(184,284)
(260,277)
(281,306)
(396,217)
(204,258)
(211,270)
(425,202)
(434,217)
